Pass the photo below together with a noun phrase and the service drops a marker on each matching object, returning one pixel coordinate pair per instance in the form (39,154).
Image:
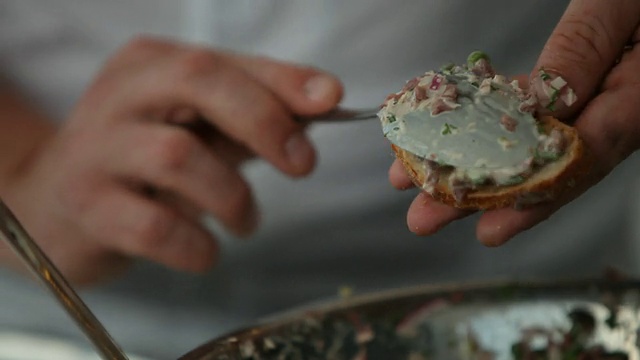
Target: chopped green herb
(476,56)
(506,143)
(447,68)
(517,351)
(540,127)
(546,155)
(514,180)
(554,98)
(480,180)
(396,128)
(447,129)
(573,352)
(612,320)
(391,118)
(544,75)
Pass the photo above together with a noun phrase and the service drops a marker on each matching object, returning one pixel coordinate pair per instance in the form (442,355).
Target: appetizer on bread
(472,139)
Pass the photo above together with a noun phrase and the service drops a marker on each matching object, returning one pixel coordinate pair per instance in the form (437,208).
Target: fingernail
(319,88)
(300,152)
(553,92)
(491,237)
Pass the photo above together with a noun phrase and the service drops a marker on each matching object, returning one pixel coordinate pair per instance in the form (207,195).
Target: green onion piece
(544,75)
(447,68)
(447,129)
(612,320)
(476,56)
(514,180)
(517,352)
(554,98)
(573,352)
(480,180)
(391,118)
(547,156)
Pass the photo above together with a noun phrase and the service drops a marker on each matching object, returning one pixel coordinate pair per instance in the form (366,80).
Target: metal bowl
(337,330)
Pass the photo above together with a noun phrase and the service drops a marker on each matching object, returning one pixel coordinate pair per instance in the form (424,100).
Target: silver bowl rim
(210,350)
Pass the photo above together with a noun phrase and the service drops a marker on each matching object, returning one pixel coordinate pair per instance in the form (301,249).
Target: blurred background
(342,226)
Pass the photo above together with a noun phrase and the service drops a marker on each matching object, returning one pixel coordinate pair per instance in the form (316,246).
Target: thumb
(583,47)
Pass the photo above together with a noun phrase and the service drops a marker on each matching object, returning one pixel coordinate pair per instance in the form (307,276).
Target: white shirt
(344,225)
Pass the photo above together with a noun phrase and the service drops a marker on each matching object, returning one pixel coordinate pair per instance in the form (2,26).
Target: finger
(305,90)
(398,176)
(610,124)
(137,226)
(256,119)
(233,101)
(173,160)
(581,50)
(427,216)
(229,151)
(496,227)
(609,127)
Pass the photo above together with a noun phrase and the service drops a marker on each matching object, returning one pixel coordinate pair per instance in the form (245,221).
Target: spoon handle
(340,114)
(12,232)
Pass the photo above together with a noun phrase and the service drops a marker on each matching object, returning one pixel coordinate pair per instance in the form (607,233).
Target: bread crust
(548,183)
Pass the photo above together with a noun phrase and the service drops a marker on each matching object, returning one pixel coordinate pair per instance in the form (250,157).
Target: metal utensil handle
(12,232)
(340,114)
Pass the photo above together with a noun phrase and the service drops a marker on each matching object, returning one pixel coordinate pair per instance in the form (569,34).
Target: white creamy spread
(470,119)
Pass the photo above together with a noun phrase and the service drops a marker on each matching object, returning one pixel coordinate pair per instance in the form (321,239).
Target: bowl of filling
(564,320)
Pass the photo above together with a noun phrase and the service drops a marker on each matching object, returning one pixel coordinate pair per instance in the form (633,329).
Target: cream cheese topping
(468,118)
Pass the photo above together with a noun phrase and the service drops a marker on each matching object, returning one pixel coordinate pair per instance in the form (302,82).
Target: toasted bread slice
(547,183)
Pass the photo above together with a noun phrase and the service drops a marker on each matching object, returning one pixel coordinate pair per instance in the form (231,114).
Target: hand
(155,142)
(592,49)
